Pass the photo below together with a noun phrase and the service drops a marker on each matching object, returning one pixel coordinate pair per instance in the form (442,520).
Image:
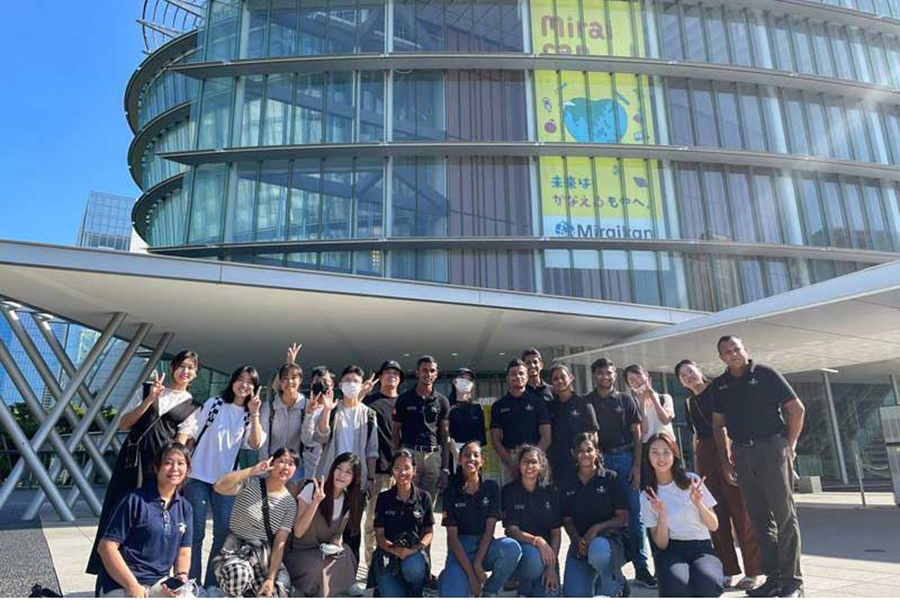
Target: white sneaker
(356,590)
(749,583)
(729,581)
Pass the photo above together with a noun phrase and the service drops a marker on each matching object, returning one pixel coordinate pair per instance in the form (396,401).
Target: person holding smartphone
(150,533)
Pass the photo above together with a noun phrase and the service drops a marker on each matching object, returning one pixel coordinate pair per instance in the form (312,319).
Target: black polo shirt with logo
(569,419)
(419,417)
(593,502)
(700,412)
(467,423)
(752,402)
(616,414)
(384,410)
(543,391)
(398,516)
(519,419)
(469,512)
(535,513)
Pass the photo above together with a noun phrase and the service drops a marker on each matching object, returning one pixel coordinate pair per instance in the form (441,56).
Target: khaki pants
(153,591)
(428,472)
(383,482)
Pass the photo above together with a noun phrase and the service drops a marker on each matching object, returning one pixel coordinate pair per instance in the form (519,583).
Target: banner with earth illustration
(606,197)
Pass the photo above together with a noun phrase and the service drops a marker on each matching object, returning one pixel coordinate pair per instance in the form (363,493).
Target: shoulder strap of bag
(213,413)
(267,523)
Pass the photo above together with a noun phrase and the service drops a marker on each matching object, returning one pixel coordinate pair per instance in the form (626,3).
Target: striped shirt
(247,516)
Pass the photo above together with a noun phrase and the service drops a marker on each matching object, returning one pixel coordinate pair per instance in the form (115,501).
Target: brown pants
(731,511)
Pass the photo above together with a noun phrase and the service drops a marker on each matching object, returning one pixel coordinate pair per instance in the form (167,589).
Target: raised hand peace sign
(318,490)
(367,386)
(292,352)
(327,399)
(255,403)
(156,385)
(697,491)
(659,507)
(261,468)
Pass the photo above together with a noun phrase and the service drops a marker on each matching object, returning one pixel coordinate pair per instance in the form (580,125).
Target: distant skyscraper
(106,222)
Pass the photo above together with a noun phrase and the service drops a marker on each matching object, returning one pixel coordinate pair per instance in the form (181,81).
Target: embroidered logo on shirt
(574,412)
(547,504)
(182,528)
(519,506)
(485,501)
(601,489)
(418,514)
(753,381)
(529,407)
(619,409)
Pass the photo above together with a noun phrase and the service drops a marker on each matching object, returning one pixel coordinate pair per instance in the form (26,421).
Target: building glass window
(304,214)
(309,102)
(239,225)
(274,182)
(206,204)
(283,32)
(215,113)
(419,106)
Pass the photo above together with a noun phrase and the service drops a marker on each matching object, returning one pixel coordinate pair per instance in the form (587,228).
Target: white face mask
(351,389)
(463,385)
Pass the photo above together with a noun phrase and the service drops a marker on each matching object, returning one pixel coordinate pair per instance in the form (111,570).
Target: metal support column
(110,434)
(835,432)
(81,431)
(48,426)
(47,376)
(28,455)
(60,353)
(34,406)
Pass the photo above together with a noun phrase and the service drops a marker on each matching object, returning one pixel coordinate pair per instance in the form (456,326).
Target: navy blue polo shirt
(420,417)
(536,513)
(149,534)
(519,419)
(469,512)
(593,502)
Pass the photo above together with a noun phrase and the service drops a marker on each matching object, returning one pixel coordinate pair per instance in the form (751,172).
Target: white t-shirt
(654,425)
(306,496)
(682,517)
(214,455)
(168,400)
(347,422)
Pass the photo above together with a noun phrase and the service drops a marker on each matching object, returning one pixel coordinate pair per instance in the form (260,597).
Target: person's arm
(483,546)
(308,427)
(638,456)
(118,570)
(427,537)
(795,412)
(268,587)
(133,416)
(704,501)
(546,436)
(618,521)
(463,560)
(230,484)
(723,445)
(444,435)
(256,437)
(183,563)
(306,511)
(665,413)
(572,532)
(497,443)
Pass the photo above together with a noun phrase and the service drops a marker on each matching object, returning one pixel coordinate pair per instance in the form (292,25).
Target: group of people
(335,470)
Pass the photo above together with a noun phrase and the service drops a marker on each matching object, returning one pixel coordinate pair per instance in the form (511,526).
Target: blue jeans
(201,495)
(413,571)
(689,568)
(599,574)
(501,560)
(530,573)
(621,464)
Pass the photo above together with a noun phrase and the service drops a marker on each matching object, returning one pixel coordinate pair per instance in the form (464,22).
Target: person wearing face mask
(389,376)
(657,410)
(346,426)
(466,415)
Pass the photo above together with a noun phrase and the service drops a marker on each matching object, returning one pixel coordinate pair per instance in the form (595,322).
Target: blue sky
(63,70)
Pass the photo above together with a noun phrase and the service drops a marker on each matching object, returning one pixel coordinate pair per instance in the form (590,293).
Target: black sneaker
(770,589)
(643,577)
(792,590)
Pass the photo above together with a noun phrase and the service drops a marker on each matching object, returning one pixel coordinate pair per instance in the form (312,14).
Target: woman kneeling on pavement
(319,563)
(150,533)
(404,524)
(531,517)
(261,523)
(677,508)
(471,511)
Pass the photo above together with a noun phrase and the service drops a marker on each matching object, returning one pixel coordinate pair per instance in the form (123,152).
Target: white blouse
(682,517)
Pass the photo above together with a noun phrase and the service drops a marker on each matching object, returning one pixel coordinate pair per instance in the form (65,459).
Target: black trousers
(689,569)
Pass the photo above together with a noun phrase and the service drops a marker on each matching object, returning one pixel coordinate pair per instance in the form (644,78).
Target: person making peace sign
(677,509)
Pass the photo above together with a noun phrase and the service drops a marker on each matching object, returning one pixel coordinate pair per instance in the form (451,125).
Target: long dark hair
(678,473)
(177,448)
(351,493)
(228,393)
(588,436)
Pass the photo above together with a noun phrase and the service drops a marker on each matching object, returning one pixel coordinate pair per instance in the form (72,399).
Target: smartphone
(318,388)
(173,583)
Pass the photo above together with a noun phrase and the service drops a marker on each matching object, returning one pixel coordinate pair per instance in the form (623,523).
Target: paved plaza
(848,550)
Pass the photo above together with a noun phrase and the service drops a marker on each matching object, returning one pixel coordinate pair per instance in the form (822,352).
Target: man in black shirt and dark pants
(620,442)
(752,400)
(518,418)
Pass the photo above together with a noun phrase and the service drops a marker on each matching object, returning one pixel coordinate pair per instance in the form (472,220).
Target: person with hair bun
(149,534)
(677,508)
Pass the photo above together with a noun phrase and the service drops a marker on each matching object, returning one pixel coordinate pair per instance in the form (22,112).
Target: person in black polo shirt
(518,418)
(532,518)
(764,418)
(420,425)
(594,513)
(150,532)
(730,508)
(466,414)
(471,511)
(390,376)
(404,525)
(534,362)
(620,439)
(570,415)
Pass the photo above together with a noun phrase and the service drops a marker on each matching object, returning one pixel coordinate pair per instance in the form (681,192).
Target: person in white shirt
(657,410)
(678,511)
(227,423)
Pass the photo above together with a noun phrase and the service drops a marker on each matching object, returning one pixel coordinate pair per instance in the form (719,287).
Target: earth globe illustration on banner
(609,120)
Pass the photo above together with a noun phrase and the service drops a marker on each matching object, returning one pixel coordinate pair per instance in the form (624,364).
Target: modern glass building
(689,155)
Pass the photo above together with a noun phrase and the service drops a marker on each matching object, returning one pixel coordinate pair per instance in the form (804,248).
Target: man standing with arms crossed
(764,419)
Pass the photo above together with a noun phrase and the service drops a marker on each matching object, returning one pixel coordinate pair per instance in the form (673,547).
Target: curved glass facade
(604,180)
